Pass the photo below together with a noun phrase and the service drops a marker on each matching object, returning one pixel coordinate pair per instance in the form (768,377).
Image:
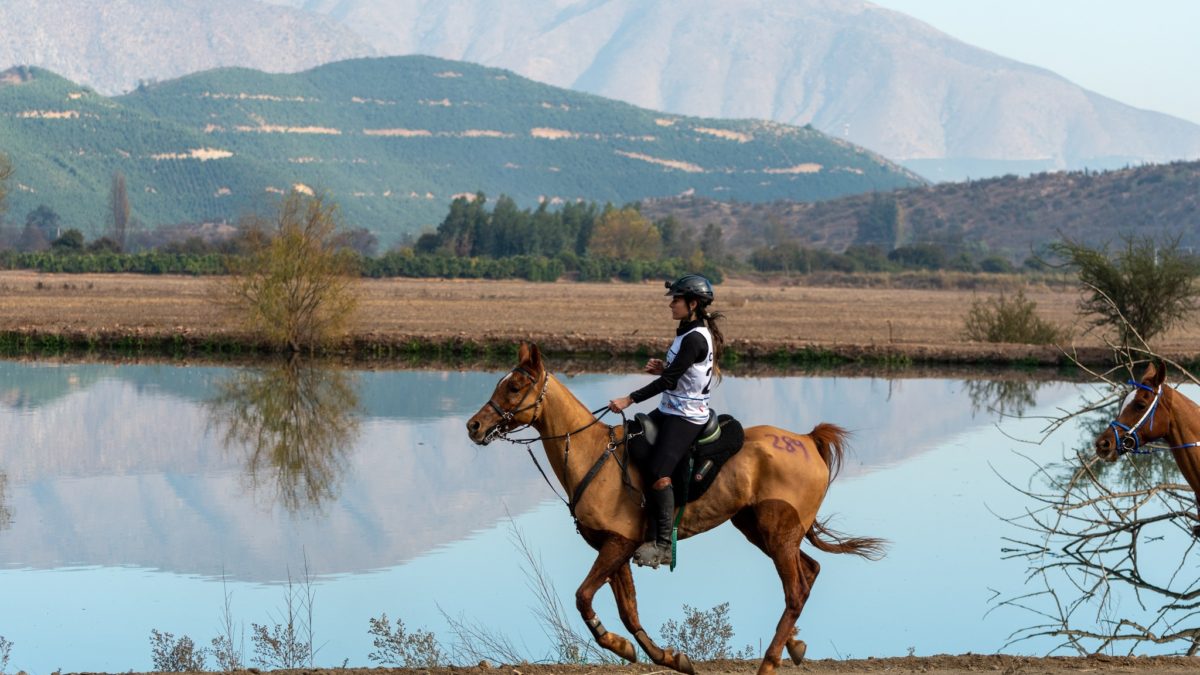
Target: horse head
(1137,422)
(516,400)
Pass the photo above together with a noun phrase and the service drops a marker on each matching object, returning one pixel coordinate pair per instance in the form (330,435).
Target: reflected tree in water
(5,512)
(1110,554)
(296,422)
(1004,398)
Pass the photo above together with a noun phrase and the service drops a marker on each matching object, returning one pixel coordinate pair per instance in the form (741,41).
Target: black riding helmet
(691,285)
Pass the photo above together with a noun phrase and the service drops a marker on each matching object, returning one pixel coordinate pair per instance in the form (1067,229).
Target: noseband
(1131,441)
(507,416)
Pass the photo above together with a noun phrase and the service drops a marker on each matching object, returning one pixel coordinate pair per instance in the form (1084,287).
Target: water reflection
(296,422)
(5,512)
(1009,397)
(128,504)
(1110,555)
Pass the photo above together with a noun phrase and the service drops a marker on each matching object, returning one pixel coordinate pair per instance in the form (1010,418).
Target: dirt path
(918,324)
(929,665)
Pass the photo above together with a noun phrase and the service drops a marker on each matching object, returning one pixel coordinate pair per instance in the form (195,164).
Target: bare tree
(1107,545)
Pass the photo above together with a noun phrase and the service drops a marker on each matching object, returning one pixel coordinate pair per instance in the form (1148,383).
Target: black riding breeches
(675,436)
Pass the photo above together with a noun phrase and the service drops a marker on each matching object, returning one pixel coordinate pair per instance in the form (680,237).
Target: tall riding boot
(661,512)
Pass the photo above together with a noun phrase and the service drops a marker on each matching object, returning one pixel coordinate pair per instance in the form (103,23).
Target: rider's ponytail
(710,319)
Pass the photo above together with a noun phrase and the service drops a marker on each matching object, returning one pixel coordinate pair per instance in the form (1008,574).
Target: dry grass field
(619,318)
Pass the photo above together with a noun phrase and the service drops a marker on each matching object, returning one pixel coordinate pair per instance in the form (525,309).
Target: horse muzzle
(480,432)
(1109,451)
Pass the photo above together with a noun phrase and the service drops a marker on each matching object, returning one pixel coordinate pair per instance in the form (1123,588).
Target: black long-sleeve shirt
(692,349)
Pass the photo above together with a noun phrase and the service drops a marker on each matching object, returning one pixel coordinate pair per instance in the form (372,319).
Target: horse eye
(514,387)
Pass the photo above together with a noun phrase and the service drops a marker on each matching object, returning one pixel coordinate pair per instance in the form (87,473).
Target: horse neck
(570,457)
(1185,418)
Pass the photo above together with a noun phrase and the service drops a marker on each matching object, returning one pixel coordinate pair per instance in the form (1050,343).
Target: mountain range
(392,141)
(859,72)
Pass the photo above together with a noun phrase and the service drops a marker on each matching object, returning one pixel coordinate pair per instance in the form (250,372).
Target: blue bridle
(1132,442)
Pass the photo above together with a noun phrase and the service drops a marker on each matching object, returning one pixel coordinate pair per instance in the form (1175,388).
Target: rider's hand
(618,404)
(655,366)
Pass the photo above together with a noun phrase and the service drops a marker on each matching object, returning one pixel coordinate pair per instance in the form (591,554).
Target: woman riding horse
(684,380)
(770,490)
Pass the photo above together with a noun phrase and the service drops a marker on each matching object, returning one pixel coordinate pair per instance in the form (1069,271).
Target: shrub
(704,636)
(402,648)
(1141,291)
(1003,319)
(175,655)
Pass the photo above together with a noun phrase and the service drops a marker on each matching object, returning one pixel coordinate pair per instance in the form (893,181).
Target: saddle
(720,439)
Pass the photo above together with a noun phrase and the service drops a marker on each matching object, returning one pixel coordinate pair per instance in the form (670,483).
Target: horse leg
(774,527)
(614,556)
(809,569)
(623,590)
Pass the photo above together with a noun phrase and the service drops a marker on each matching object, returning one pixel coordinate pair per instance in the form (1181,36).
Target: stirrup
(651,554)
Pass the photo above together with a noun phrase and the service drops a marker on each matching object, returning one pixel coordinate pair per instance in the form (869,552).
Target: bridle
(506,416)
(1132,441)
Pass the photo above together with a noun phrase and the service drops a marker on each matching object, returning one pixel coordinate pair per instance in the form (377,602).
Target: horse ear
(1156,373)
(534,358)
(531,357)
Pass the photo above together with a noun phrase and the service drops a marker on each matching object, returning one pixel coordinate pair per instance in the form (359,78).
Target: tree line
(582,241)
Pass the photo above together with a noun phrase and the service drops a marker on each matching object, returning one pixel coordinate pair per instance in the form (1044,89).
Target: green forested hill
(391,140)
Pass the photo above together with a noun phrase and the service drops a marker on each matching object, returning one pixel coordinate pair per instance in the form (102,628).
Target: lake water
(145,497)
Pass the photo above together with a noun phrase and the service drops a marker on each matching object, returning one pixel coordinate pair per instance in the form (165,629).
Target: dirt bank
(930,665)
(764,321)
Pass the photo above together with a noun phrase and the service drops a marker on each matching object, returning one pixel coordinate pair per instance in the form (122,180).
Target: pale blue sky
(1145,53)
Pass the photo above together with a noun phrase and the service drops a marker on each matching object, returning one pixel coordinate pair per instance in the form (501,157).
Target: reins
(610,450)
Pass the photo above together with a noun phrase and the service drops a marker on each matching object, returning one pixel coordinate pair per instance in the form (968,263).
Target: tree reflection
(5,512)
(296,423)
(1108,556)
(1003,397)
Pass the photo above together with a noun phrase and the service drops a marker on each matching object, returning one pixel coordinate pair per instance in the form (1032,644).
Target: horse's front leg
(615,553)
(626,595)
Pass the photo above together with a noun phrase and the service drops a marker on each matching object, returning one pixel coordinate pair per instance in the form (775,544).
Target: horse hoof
(685,665)
(796,650)
(1196,531)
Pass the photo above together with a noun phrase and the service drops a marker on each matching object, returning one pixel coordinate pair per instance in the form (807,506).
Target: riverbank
(928,665)
(785,324)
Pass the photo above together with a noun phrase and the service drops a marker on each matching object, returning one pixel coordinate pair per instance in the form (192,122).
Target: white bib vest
(689,398)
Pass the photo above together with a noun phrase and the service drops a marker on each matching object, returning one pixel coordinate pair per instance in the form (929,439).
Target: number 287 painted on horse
(770,490)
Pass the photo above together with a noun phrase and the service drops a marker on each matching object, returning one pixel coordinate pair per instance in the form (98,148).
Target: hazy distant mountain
(112,44)
(870,75)
(392,141)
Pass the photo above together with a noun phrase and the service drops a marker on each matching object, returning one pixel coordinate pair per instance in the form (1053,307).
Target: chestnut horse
(770,490)
(1156,412)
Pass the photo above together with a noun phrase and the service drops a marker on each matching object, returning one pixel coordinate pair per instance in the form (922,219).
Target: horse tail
(830,440)
(867,547)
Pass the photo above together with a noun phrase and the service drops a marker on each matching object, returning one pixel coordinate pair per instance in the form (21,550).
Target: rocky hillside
(1009,215)
(872,76)
(392,141)
(112,45)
